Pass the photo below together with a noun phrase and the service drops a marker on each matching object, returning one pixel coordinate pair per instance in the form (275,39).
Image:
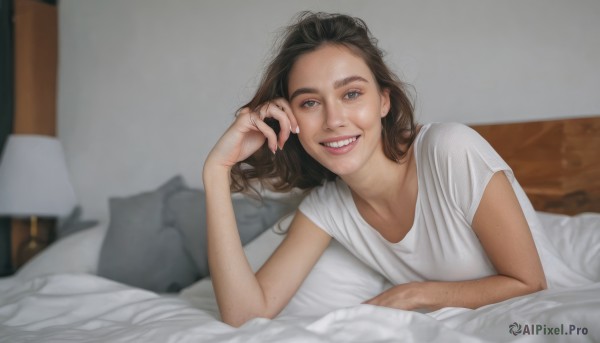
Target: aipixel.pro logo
(542,329)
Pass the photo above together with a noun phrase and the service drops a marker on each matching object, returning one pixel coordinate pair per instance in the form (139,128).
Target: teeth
(340,144)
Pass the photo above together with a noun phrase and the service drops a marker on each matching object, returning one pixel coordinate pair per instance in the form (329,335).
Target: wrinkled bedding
(73,307)
(80,307)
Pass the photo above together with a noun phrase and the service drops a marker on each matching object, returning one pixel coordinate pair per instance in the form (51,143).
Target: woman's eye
(308,103)
(352,95)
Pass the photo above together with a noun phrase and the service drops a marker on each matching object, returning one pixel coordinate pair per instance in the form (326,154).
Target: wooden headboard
(557,162)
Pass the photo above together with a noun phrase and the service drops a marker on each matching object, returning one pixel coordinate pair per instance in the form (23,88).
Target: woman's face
(338,107)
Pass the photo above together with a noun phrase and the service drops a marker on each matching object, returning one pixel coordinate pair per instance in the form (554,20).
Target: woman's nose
(334,116)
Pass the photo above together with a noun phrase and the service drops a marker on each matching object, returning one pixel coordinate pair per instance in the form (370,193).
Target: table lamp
(34,182)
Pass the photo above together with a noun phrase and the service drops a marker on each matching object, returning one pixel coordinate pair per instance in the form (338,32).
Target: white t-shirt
(454,165)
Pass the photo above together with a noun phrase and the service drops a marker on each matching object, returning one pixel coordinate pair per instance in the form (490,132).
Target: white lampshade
(34,180)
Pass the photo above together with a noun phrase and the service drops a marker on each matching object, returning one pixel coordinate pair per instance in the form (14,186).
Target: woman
(433,208)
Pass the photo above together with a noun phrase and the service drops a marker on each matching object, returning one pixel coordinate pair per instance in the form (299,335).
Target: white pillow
(337,280)
(76,253)
(577,240)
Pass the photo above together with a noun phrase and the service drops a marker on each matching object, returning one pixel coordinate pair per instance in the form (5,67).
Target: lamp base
(21,235)
(28,249)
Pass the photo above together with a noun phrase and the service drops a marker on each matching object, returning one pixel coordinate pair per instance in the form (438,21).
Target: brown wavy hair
(293,167)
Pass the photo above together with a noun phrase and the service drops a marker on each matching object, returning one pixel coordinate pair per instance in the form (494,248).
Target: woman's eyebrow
(336,84)
(347,80)
(302,91)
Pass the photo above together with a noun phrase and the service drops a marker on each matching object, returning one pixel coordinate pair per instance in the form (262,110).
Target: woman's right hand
(249,132)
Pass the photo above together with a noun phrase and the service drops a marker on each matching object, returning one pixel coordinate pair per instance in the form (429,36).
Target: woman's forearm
(433,295)
(238,293)
(474,293)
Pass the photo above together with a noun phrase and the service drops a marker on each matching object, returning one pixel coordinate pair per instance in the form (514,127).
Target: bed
(64,294)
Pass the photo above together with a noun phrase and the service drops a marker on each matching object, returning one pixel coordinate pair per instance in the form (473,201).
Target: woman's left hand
(408,296)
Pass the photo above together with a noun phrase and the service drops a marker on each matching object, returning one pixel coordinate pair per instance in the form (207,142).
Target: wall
(147,86)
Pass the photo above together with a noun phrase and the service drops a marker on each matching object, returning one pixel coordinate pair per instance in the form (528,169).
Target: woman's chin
(343,169)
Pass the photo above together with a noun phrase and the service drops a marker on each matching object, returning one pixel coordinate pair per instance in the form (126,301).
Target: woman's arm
(240,294)
(503,231)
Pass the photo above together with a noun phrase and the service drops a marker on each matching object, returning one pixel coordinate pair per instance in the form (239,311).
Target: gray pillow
(186,210)
(139,249)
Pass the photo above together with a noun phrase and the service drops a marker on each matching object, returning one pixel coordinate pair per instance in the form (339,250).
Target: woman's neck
(382,182)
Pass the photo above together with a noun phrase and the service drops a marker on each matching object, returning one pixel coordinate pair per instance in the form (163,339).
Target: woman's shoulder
(328,190)
(324,203)
(447,137)
(447,132)
(329,195)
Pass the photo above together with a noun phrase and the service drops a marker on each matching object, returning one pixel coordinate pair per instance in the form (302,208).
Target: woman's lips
(340,145)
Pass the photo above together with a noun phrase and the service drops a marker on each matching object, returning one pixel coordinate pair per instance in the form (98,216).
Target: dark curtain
(6,114)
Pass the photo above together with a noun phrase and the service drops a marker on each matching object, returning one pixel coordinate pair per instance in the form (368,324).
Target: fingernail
(297,129)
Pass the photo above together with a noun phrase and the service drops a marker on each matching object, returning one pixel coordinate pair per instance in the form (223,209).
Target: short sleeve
(464,161)
(320,206)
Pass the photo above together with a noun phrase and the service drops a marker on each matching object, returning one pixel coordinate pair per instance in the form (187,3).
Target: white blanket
(86,308)
(80,307)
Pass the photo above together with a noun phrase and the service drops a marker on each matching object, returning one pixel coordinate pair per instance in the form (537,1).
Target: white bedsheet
(87,308)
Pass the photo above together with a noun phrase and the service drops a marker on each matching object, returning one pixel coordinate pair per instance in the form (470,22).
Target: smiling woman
(339,106)
(432,208)
(294,167)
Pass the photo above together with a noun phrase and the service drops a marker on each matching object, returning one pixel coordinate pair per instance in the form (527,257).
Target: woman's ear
(385,102)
